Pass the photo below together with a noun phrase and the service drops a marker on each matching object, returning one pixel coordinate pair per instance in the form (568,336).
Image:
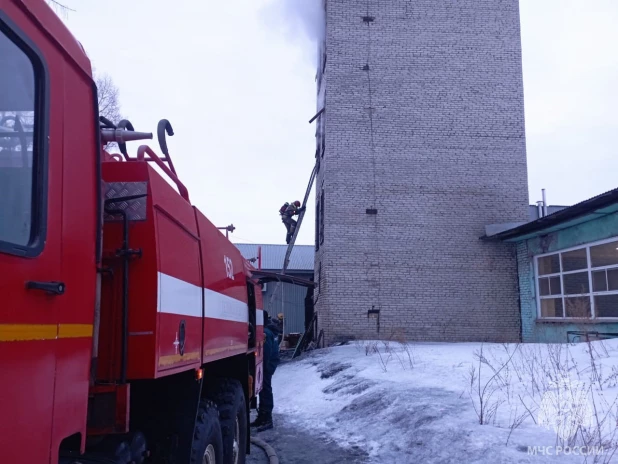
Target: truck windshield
(17,118)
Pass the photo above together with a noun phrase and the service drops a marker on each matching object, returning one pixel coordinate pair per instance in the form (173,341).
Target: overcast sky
(237,81)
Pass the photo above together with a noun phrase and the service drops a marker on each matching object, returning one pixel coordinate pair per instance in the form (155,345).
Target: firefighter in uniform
(264,420)
(288,211)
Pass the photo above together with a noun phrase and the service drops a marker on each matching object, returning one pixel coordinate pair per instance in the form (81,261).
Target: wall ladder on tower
(288,253)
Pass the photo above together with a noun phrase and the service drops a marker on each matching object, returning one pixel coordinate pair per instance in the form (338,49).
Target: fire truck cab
(130,327)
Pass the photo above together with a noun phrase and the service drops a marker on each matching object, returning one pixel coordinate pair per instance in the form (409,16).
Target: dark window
(599,281)
(319,137)
(21,168)
(317,159)
(544,286)
(612,279)
(576,283)
(574,260)
(549,264)
(554,285)
(551,307)
(323,134)
(604,255)
(578,307)
(606,305)
(321,214)
(317,227)
(550,286)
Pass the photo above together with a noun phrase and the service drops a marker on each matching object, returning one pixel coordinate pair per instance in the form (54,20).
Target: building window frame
(565,296)
(317,226)
(323,135)
(321,216)
(38,226)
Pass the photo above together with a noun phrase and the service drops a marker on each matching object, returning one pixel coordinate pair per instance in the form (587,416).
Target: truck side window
(18,149)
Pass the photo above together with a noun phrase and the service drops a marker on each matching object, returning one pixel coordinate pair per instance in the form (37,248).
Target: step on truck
(130,327)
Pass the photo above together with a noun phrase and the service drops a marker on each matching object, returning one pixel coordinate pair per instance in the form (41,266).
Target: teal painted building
(567,263)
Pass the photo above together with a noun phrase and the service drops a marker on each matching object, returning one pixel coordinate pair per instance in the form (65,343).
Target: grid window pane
(599,281)
(606,305)
(575,284)
(549,264)
(604,255)
(551,307)
(570,293)
(578,307)
(544,286)
(612,279)
(555,287)
(574,260)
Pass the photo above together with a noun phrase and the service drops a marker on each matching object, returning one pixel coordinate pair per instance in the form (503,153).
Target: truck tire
(207,445)
(229,397)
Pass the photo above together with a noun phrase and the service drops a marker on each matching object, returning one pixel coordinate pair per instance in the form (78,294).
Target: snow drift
(458,403)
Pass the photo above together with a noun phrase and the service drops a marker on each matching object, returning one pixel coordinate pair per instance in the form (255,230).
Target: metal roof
(302,258)
(596,207)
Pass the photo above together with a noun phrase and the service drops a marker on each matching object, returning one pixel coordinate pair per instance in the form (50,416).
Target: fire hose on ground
(270,452)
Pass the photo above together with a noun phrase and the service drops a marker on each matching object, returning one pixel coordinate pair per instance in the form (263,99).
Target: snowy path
(343,405)
(297,445)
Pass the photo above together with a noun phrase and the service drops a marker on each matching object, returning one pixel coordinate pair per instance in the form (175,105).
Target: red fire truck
(130,327)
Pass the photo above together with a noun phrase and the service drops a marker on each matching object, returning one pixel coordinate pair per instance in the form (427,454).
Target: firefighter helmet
(297,204)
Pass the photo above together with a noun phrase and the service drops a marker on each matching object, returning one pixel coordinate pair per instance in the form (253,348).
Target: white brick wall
(432,135)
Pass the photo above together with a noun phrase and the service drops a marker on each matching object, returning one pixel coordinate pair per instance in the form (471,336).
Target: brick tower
(421,145)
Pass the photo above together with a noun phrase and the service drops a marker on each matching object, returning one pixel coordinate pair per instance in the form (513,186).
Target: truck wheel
(207,442)
(229,396)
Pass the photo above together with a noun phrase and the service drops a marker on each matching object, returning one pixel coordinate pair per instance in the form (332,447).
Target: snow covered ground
(424,402)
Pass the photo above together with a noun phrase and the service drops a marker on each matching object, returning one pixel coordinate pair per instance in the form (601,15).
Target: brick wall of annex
(424,122)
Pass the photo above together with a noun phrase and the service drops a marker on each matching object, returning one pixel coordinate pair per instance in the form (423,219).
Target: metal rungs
(288,253)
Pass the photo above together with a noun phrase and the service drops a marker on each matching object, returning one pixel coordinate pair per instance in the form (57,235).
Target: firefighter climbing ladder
(288,253)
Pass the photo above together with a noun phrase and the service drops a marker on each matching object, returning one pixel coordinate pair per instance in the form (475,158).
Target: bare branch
(108,97)
(59,7)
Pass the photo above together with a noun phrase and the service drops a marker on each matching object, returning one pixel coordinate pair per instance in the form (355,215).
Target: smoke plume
(302,21)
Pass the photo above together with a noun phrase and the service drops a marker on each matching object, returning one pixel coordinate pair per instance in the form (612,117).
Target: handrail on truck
(144,150)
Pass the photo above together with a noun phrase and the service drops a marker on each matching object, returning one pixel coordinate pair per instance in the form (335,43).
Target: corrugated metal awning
(264,277)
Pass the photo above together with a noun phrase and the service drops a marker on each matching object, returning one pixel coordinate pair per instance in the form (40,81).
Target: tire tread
(229,396)
(207,414)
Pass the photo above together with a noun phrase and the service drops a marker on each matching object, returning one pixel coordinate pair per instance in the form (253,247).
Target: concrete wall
(424,122)
(544,331)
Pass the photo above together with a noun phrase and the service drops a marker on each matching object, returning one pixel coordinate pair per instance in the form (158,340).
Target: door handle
(53,288)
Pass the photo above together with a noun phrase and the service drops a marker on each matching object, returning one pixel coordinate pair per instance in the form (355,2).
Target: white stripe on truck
(184,299)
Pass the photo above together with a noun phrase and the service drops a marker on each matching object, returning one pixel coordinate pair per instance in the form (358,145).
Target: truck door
(30,246)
